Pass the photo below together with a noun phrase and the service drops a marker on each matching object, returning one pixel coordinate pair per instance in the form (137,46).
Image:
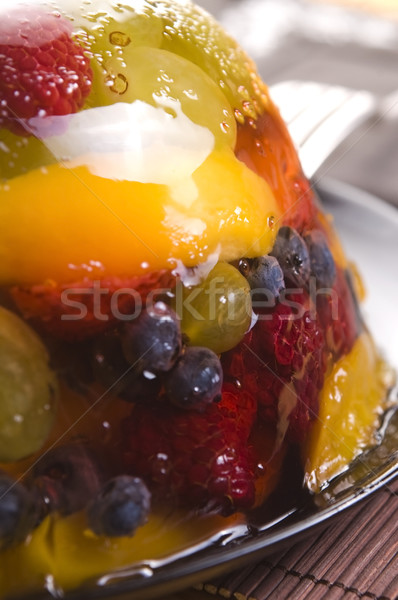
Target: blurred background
(353,43)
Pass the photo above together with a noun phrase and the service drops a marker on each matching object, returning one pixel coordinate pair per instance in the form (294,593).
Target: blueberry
(264,275)
(120,507)
(19,511)
(292,254)
(196,380)
(152,342)
(67,477)
(322,263)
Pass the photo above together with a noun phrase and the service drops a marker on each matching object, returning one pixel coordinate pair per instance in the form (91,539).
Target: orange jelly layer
(85,225)
(232,206)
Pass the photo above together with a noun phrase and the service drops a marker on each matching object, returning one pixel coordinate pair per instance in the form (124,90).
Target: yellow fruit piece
(352,400)
(62,552)
(66,223)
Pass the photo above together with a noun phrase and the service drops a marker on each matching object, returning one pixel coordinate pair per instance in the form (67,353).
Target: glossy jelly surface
(177,313)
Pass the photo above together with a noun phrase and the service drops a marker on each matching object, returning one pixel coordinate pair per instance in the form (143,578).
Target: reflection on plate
(369,229)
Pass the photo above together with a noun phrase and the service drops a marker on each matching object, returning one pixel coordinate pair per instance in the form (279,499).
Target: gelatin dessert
(177,313)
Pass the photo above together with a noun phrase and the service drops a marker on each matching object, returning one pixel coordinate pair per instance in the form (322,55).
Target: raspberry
(43,71)
(201,459)
(338,315)
(291,347)
(79,310)
(282,361)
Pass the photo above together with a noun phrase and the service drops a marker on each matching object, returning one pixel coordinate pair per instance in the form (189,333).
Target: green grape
(189,32)
(20,154)
(28,389)
(108,29)
(131,72)
(217,313)
(113,26)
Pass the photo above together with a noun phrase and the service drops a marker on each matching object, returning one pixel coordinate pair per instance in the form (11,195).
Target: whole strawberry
(43,71)
(201,459)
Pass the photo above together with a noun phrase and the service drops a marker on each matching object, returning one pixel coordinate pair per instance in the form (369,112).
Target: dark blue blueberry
(321,259)
(152,342)
(67,477)
(19,511)
(292,254)
(264,275)
(196,380)
(122,505)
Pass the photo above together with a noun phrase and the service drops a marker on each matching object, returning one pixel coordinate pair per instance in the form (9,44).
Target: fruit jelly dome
(177,313)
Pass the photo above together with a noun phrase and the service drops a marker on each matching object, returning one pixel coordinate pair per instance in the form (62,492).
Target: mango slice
(352,401)
(65,224)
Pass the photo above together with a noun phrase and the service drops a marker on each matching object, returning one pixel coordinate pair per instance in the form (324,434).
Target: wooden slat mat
(355,557)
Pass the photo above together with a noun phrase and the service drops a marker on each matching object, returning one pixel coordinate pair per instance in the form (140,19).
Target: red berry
(290,346)
(338,316)
(200,459)
(283,360)
(76,311)
(43,71)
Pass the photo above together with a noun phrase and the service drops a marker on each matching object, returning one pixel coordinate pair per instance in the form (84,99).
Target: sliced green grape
(20,154)
(191,32)
(181,28)
(28,389)
(217,313)
(106,26)
(157,76)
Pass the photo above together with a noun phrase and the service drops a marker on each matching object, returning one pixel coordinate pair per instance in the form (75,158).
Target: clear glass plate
(369,230)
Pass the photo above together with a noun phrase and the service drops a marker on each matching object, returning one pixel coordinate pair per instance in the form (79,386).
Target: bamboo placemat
(355,557)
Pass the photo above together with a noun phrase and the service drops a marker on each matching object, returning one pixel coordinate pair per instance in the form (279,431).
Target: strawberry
(79,310)
(43,70)
(201,459)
